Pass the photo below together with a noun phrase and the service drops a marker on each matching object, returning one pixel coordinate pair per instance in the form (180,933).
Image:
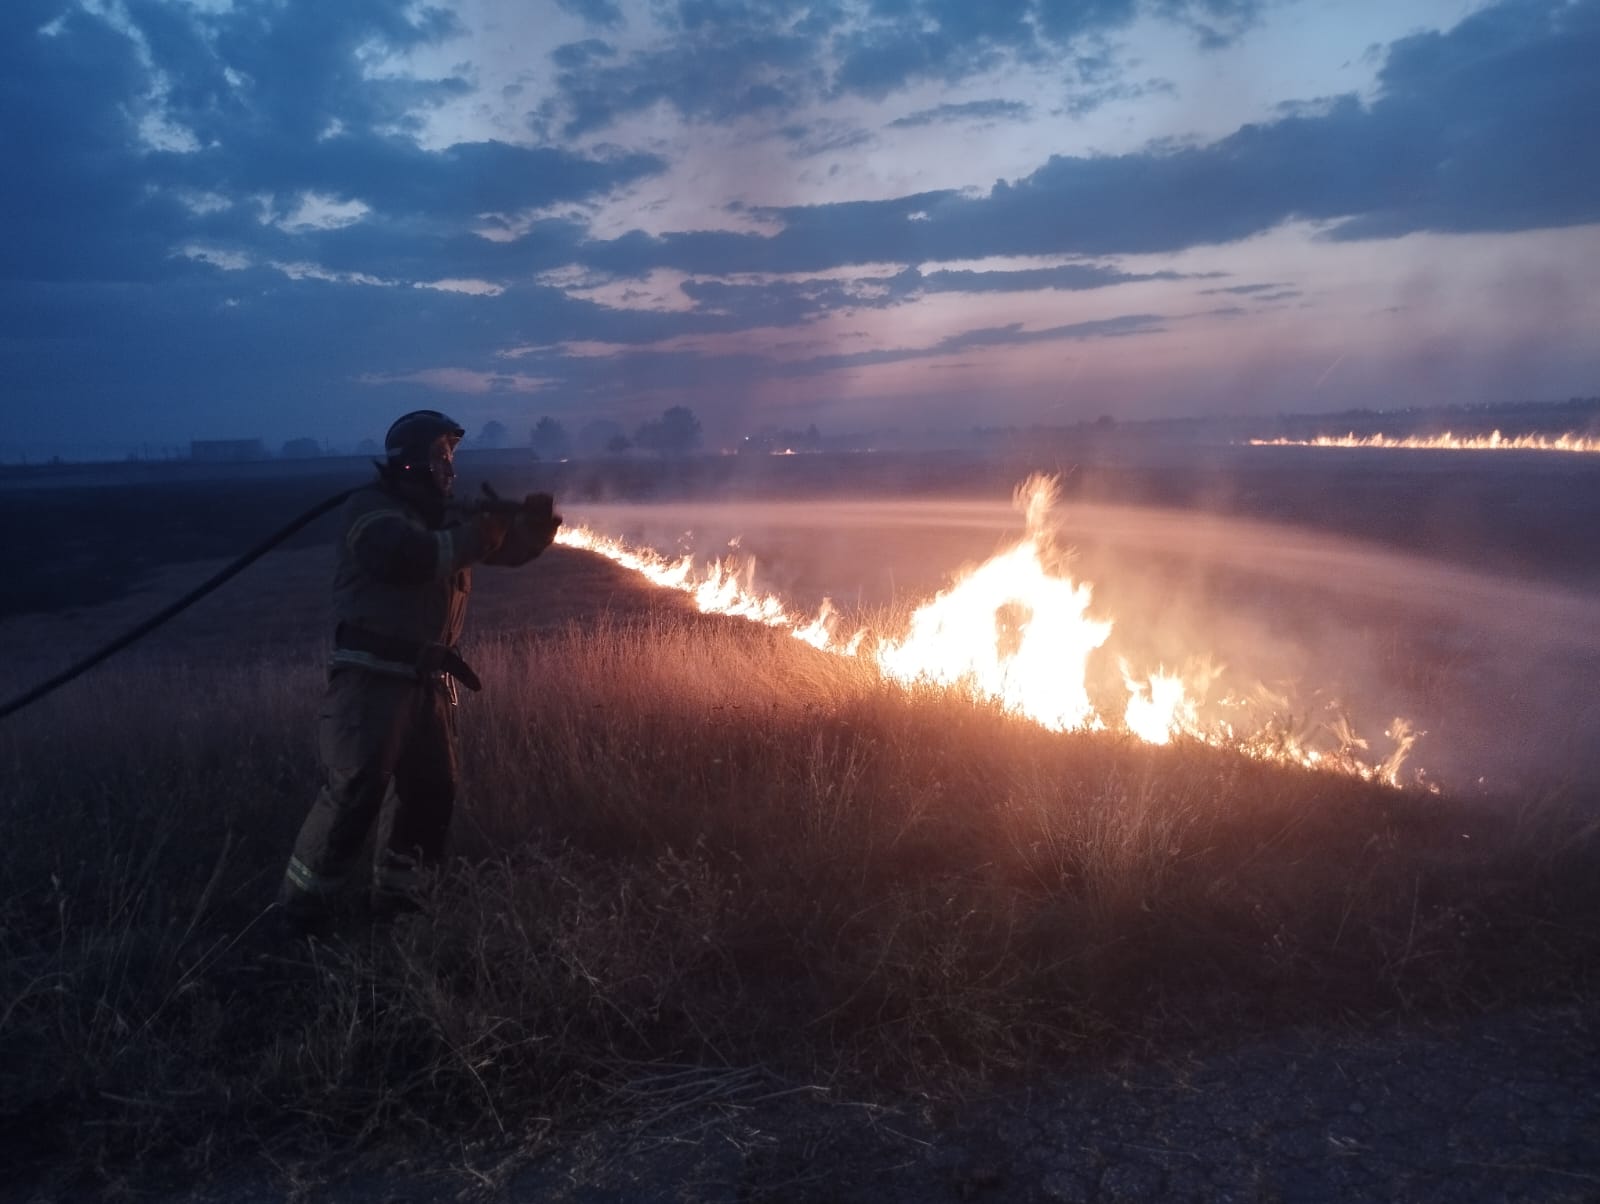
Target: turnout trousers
(388,753)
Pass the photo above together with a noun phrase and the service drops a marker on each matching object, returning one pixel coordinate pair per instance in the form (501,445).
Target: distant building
(226,451)
(301,449)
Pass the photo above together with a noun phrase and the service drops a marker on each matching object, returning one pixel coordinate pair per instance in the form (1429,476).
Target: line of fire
(1018,632)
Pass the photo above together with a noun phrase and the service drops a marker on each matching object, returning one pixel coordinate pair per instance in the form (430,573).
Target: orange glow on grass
(1017,631)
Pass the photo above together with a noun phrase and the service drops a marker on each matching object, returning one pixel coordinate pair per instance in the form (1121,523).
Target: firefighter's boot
(396,886)
(306,900)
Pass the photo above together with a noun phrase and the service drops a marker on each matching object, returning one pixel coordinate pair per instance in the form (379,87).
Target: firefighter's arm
(533,529)
(397,549)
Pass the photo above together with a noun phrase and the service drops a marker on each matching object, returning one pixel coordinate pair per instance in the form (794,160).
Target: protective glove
(493,528)
(532,531)
(539,518)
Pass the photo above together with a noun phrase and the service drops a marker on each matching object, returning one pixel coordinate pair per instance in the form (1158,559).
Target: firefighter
(387,722)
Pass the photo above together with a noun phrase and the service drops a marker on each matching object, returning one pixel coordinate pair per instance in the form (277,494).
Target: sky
(286,219)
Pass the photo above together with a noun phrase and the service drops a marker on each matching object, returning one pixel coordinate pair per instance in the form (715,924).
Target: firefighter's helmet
(412,436)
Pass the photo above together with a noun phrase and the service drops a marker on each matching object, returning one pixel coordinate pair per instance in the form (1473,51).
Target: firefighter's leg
(413,831)
(416,823)
(362,728)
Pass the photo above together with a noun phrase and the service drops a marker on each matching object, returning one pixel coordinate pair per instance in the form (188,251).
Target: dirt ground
(1501,1108)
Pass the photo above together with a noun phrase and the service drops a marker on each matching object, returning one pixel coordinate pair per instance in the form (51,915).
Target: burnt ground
(1502,1107)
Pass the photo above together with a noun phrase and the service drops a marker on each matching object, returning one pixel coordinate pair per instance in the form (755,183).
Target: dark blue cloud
(1010,335)
(781,303)
(1071,277)
(87,199)
(1507,101)
(722,72)
(972,110)
(574,56)
(824,137)
(596,12)
(396,176)
(72,204)
(1242,290)
(1483,127)
(791,302)
(949,40)
(288,71)
(1013,334)
(728,55)
(253,352)
(1216,23)
(1095,90)
(1488,126)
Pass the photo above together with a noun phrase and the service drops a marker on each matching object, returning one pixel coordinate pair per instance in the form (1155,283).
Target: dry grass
(695,843)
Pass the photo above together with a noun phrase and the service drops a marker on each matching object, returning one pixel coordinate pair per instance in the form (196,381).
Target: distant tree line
(777,440)
(675,433)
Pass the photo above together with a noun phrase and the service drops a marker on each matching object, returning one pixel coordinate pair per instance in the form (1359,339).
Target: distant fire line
(1495,441)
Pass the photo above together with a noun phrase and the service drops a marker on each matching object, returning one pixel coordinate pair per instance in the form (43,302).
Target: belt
(424,658)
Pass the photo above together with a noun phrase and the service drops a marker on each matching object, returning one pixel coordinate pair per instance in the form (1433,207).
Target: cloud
(290,70)
(217,210)
(718,60)
(824,137)
(1013,334)
(460,380)
(787,302)
(1241,290)
(574,56)
(596,12)
(1215,23)
(1071,277)
(1486,127)
(779,303)
(948,40)
(308,139)
(905,41)
(1090,93)
(972,110)
(313,211)
(717,72)
(1506,99)
(74,203)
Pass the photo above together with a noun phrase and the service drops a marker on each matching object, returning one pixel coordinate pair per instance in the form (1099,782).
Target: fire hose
(490,502)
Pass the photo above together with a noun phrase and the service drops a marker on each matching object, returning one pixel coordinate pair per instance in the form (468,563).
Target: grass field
(690,841)
(685,841)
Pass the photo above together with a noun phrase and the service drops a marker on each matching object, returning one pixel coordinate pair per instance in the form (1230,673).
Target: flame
(1019,632)
(1569,442)
(1011,632)
(1165,704)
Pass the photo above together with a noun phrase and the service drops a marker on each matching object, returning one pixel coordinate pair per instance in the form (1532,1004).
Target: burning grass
(1016,631)
(698,842)
(1571,441)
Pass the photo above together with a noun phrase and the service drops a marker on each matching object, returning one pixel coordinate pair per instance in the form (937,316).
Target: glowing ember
(1570,442)
(1018,632)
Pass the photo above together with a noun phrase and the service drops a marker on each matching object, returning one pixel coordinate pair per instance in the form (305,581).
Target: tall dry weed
(703,843)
